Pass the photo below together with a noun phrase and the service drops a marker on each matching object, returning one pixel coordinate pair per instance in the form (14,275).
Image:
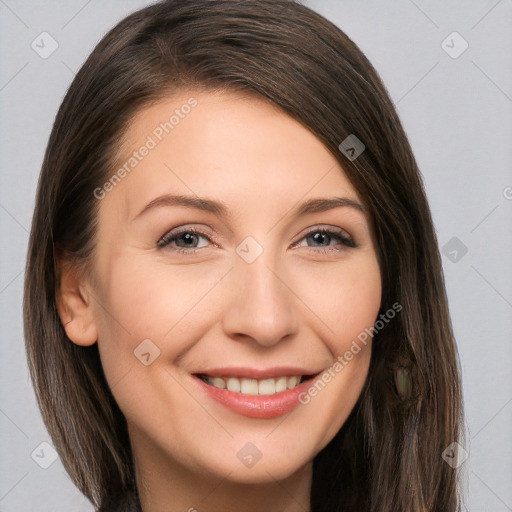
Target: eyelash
(347,241)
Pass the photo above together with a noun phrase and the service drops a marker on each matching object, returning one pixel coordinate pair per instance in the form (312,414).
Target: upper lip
(257,373)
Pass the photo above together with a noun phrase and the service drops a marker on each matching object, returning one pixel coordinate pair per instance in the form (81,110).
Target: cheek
(142,300)
(348,304)
(149,298)
(345,297)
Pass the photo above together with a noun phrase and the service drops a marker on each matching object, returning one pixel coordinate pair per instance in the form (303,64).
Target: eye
(322,238)
(186,240)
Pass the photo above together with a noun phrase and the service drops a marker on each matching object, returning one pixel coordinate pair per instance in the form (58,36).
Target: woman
(194,348)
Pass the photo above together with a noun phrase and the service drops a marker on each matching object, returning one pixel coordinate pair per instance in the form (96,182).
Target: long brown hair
(387,455)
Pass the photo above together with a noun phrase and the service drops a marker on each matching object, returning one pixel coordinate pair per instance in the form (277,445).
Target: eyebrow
(220,209)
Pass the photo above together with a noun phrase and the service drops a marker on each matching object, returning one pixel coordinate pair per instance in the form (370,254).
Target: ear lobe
(75,308)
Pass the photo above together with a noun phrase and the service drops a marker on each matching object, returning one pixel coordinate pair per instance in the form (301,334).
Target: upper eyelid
(175,232)
(324,227)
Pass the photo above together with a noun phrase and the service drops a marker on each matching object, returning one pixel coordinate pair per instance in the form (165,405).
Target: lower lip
(257,406)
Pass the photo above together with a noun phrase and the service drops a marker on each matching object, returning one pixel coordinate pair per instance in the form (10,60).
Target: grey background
(457,113)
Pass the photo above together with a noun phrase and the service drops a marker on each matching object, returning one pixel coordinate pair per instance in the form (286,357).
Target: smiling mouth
(269,386)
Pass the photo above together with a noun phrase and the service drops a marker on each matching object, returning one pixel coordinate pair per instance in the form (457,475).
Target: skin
(294,305)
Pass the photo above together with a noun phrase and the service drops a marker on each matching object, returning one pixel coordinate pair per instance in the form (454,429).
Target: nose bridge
(261,305)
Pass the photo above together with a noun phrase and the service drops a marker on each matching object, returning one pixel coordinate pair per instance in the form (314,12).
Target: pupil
(188,238)
(319,237)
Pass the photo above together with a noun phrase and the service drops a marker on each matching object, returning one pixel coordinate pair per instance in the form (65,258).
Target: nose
(261,306)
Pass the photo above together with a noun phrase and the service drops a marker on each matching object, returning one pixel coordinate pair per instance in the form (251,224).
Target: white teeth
(249,386)
(232,384)
(281,384)
(219,383)
(293,382)
(254,386)
(267,387)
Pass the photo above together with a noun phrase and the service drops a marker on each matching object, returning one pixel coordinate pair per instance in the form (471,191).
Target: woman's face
(227,274)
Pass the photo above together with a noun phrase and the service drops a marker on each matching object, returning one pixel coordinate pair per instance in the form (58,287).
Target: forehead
(230,145)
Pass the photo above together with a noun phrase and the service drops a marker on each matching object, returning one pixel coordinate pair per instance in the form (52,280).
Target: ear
(74,306)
